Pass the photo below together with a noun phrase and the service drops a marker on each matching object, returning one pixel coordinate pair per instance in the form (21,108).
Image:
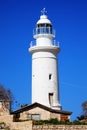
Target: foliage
(80,117)
(84,113)
(5,94)
(84,107)
(24,105)
(54,121)
(77,122)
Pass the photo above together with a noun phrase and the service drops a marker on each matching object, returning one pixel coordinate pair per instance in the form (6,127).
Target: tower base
(57,107)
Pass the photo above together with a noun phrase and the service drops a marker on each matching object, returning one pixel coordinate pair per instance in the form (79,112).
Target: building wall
(43,113)
(61,117)
(6,118)
(4,107)
(60,127)
(26,125)
(37,111)
(54,115)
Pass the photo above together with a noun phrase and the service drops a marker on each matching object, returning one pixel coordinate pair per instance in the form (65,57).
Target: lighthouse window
(44,29)
(51,99)
(43,25)
(50,76)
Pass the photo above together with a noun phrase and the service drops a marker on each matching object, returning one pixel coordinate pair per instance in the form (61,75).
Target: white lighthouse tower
(45,83)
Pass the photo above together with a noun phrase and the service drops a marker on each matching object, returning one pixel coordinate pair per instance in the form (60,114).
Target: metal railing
(54,43)
(43,30)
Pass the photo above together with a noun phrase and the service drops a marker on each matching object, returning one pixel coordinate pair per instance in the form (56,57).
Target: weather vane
(43,11)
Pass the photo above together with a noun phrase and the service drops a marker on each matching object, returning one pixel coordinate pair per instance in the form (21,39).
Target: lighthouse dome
(44,27)
(44,19)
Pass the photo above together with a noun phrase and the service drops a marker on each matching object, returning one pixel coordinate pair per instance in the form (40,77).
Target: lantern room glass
(44,29)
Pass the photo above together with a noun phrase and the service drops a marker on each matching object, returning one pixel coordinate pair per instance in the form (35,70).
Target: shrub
(77,122)
(53,121)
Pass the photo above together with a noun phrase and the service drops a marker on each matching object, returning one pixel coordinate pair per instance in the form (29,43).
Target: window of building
(34,116)
(51,99)
(50,76)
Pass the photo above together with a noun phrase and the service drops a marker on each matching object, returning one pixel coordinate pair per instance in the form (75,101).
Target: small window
(50,76)
(34,116)
(51,99)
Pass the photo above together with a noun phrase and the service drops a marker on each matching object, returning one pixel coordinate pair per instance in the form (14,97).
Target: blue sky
(17,21)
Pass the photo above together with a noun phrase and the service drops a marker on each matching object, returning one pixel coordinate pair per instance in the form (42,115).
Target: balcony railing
(43,30)
(54,43)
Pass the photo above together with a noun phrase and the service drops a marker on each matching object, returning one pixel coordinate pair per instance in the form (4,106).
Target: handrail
(43,30)
(54,43)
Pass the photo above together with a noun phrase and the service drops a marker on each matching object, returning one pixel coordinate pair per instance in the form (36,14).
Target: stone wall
(27,125)
(60,127)
(44,114)
(8,120)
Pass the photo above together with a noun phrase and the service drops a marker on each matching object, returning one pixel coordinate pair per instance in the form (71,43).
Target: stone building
(38,111)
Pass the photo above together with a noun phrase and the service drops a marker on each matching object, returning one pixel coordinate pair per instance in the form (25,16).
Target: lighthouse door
(51,99)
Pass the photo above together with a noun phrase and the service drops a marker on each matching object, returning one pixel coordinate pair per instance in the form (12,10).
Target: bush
(53,121)
(77,122)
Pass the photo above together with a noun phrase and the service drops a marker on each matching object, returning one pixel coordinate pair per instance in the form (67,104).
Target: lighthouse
(45,80)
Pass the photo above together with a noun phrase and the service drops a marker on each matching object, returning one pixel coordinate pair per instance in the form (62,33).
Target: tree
(84,107)
(84,113)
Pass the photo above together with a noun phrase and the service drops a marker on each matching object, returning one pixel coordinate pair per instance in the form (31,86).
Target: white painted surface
(44,41)
(43,19)
(44,63)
